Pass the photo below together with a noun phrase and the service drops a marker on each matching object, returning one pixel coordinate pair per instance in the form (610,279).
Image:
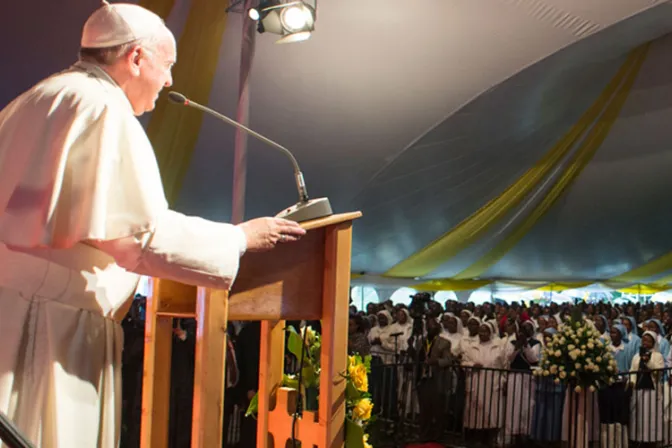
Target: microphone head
(178,98)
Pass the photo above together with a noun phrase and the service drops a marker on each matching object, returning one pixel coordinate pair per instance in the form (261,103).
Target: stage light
(254,14)
(293,20)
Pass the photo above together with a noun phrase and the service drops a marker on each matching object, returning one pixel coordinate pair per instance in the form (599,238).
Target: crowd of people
(468,368)
(456,368)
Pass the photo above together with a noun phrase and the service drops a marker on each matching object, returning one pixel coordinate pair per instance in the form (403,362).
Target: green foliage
(311,357)
(358,400)
(354,435)
(253,407)
(287,381)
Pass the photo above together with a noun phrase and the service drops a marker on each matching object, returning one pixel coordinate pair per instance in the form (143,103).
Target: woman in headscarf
(464,317)
(602,326)
(646,404)
(614,400)
(548,404)
(635,341)
(407,351)
(383,371)
(484,401)
(381,333)
(553,321)
(511,330)
(471,337)
(656,326)
(451,329)
(495,331)
(400,333)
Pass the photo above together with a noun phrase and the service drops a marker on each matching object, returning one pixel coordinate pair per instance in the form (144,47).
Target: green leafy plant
(358,402)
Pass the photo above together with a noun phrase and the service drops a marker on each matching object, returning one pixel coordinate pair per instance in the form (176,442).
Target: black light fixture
(293,20)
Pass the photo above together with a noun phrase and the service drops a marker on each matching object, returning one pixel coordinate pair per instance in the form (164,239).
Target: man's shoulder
(73,88)
(71,91)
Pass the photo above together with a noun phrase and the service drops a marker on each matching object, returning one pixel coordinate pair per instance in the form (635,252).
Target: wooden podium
(305,280)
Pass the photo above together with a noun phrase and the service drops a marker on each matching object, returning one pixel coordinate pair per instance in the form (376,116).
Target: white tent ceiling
(419,113)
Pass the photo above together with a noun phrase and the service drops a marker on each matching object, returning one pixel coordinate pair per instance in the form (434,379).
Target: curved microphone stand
(11,436)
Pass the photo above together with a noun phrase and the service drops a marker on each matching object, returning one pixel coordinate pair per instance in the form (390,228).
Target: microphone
(304,210)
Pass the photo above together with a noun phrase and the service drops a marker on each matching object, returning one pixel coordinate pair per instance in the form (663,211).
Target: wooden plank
(271,365)
(210,368)
(283,284)
(335,333)
(177,299)
(156,372)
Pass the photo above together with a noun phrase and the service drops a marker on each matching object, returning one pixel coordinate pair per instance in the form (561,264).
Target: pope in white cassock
(82,214)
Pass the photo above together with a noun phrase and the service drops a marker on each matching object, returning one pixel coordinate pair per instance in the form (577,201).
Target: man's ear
(133,59)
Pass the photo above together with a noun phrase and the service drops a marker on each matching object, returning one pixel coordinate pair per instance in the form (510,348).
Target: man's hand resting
(264,233)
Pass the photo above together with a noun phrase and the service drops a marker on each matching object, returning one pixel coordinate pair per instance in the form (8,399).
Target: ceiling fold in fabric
(583,156)
(468,231)
(650,269)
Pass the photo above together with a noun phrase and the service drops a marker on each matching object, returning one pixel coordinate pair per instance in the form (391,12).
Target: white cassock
(82,213)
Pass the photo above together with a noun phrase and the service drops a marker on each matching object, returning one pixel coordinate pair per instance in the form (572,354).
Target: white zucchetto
(118,24)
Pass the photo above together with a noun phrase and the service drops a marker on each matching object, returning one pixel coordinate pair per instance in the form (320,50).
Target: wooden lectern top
(330,220)
(284,283)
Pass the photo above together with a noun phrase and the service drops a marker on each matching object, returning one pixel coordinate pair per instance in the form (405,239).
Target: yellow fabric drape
(663,282)
(449,284)
(654,267)
(160,7)
(469,285)
(642,289)
(554,286)
(468,231)
(579,161)
(173,130)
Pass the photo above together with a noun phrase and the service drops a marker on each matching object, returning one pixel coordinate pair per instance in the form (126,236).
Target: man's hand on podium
(264,233)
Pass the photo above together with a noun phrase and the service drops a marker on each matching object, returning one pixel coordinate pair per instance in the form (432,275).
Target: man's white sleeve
(183,248)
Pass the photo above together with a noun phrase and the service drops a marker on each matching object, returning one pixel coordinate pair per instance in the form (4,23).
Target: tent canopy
(499,139)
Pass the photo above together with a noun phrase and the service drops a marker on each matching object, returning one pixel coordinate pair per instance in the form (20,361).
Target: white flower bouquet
(577,357)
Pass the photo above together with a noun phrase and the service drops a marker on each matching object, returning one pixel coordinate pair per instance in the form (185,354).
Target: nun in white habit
(451,330)
(400,333)
(379,337)
(465,315)
(646,408)
(471,336)
(398,341)
(484,403)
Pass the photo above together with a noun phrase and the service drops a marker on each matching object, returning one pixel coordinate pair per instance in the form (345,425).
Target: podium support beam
(210,368)
(335,317)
